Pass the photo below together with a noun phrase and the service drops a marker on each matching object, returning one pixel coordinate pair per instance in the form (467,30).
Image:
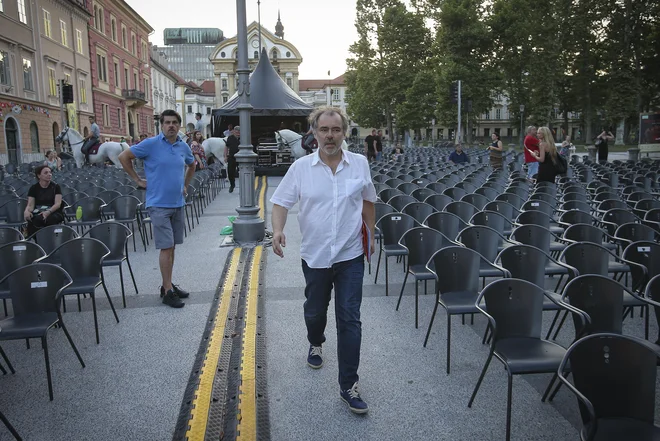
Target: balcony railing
(133,94)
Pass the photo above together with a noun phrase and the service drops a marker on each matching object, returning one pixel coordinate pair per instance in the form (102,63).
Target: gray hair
(314,117)
(530,129)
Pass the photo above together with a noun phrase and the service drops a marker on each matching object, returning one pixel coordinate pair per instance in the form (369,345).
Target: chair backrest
(447,223)
(584,233)
(51,237)
(439,201)
(109,195)
(538,205)
(534,235)
(457,269)
(525,262)
(393,225)
(456,193)
(609,204)
(616,217)
(516,306)
(91,208)
(645,253)
(534,218)
(113,235)
(422,193)
(422,242)
(419,210)
(438,187)
(15,255)
(572,217)
(475,199)
(35,288)
(125,207)
(388,193)
(13,210)
(576,205)
(512,199)
(8,235)
(597,359)
(81,257)
(634,232)
(463,210)
(400,201)
(504,208)
(407,187)
(571,195)
(601,298)
(490,193)
(483,240)
(587,258)
(382,209)
(491,219)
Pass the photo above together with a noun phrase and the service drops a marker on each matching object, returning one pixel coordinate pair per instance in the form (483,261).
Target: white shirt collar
(316,158)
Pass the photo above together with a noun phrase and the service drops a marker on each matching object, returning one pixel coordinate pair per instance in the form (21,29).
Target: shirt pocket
(354,188)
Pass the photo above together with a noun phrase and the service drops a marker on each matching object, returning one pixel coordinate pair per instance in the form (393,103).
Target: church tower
(279,28)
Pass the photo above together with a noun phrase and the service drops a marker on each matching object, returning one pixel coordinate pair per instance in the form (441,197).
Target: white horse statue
(289,139)
(108,150)
(215,148)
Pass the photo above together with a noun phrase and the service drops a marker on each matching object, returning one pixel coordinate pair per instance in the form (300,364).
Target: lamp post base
(249,231)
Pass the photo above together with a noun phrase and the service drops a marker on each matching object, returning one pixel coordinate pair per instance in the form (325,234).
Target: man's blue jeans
(532,169)
(346,278)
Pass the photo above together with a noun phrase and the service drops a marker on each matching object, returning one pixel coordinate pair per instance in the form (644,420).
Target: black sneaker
(179,292)
(315,357)
(231,189)
(170,298)
(352,398)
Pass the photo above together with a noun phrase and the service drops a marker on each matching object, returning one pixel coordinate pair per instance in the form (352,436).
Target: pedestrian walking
(496,149)
(169,168)
(370,146)
(379,145)
(336,197)
(531,144)
(231,148)
(547,156)
(601,144)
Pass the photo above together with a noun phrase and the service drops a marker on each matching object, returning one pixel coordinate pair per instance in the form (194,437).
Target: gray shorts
(168,226)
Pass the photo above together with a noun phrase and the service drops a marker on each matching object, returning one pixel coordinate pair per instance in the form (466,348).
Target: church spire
(279,28)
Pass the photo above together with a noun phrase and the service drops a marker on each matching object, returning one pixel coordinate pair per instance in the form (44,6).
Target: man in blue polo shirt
(165,158)
(458,156)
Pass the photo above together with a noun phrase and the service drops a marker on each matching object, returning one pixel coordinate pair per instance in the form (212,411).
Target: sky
(321,30)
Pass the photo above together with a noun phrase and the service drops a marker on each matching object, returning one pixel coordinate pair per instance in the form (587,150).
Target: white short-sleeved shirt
(330,214)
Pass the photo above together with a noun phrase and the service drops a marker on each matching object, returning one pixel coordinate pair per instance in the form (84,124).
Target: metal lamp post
(248,227)
(522,111)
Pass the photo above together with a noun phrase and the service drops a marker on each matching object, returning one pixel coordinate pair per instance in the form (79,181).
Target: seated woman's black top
(45,197)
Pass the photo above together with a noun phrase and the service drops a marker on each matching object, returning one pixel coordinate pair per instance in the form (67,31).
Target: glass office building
(188,51)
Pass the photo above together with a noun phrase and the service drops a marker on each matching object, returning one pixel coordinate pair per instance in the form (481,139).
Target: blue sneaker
(315,357)
(352,398)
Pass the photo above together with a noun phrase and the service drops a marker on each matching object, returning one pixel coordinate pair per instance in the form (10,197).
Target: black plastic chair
(614,218)
(512,199)
(400,201)
(15,255)
(125,209)
(574,205)
(494,220)
(538,218)
(388,194)
(8,235)
(35,294)
(381,210)
(610,204)
(537,205)
(540,237)
(653,292)
(422,193)
(51,237)
(421,243)
(515,309)
(634,232)
(456,270)
(476,200)
(589,233)
(642,207)
(463,210)
(9,427)
(439,201)
(115,236)
(488,192)
(504,208)
(392,227)
(419,210)
(83,258)
(108,195)
(614,410)
(447,223)
(488,243)
(437,187)
(456,193)
(91,213)
(13,211)
(572,217)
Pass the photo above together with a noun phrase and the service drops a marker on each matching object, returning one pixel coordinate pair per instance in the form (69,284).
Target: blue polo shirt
(164,169)
(458,159)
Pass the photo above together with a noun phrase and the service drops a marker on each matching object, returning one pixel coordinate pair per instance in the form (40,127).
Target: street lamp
(522,112)
(248,227)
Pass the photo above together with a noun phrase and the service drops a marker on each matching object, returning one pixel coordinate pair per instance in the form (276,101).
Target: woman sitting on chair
(44,206)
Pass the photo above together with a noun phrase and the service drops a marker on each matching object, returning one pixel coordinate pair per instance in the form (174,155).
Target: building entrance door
(13,146)
(131,126)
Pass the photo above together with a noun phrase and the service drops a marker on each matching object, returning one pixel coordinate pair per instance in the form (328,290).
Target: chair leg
(4,305)
(9,427)
(121,280)
(448,342)
(107,294)
(401,293)
(7,362)
(2,369)
(73,346)
(646,311)
(559,282)
(508,406)
(481,377)
(561,323)
(416,303)
(549,388)
(44,344)
(435,309)
(96,320)
(552,325)
(380,252)
(559,384)
(133,231)
(387,281)
(133,278)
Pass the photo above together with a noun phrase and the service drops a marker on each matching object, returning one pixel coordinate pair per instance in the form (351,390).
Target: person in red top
(532,144)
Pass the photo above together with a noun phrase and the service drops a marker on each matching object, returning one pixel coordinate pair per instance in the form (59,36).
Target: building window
(27,75)
(101,68)
(119,117)
(79,41)
(208,110)
(67,78)
(5,76)
(146,89)
(289,83)
(274,55)
(256,55)
(65,40)
(224,99)
(487,115)
(224,84)
(52,82)
(126,83)
(113,28)
(486,132)
(144,54)
(22,16)
(133,45)
(116,75)
(189,109)
(98,18)
(335,95)
(34,137)
(105,112)
(509,132)
(83,91)
(124,39)
(47,31)
(136,85)
(498,113)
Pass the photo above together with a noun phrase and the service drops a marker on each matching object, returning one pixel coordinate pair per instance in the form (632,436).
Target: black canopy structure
(269,95)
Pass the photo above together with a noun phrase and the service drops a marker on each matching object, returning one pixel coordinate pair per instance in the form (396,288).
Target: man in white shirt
(336,196)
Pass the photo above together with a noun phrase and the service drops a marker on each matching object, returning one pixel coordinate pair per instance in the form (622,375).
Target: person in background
(379,145)
(198,151)
(546,156)
(52,160)
(227,132)
(92,139)
(531,144)
(458,156)
(601,144)
(199,124)
(44,205)
(231,148)
(496,149)
(566,147)
(398,152)
(370,146)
